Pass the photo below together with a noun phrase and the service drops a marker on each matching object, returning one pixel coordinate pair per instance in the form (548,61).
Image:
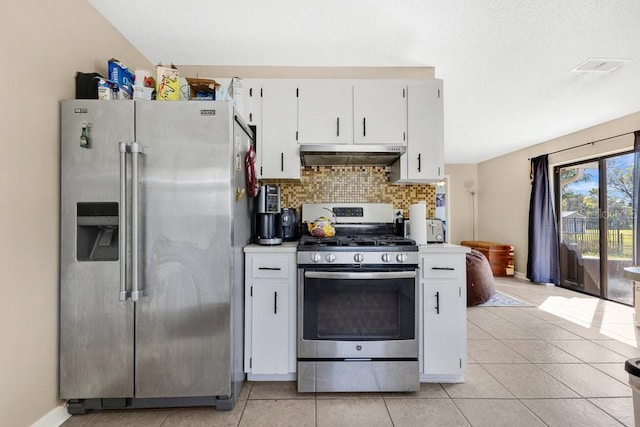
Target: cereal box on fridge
(167,83)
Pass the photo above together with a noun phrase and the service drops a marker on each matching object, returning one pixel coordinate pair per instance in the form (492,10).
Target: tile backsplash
(365,184)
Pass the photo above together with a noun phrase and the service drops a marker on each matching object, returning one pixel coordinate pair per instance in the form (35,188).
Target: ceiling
(505,63)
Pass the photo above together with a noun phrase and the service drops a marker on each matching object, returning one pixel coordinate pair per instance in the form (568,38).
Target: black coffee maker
(267,216)
(288,224)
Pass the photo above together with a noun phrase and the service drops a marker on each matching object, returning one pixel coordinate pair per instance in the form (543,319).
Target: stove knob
(330,258)
(316,257)
(386,258)
(401,257)
(358,257)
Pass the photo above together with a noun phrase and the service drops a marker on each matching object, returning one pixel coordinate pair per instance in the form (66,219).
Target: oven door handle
(360,276)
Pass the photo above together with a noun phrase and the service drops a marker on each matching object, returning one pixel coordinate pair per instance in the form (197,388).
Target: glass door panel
(580,225)
(619,220)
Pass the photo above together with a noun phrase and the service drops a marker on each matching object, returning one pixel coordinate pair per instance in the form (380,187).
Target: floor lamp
(470,186)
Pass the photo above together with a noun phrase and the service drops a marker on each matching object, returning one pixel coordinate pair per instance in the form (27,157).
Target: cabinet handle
(437,302)
(270,268)
(251,117)
(338,126)
(364,126)
(443,268)
(419,162)
(281,162)
(275,303)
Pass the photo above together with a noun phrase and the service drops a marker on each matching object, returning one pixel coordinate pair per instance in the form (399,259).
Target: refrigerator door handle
(124,293)
(136,293)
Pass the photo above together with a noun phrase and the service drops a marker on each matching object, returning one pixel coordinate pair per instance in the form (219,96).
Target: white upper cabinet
(379,112)
(288,113)
(278,151)
(253,102)
(352,111)
(424,159)
(325,112)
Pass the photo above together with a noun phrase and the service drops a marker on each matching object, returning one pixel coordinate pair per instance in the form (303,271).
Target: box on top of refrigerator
(120,74)
(167,83)
(202,89)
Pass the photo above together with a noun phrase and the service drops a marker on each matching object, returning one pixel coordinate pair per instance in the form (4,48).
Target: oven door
(364,314)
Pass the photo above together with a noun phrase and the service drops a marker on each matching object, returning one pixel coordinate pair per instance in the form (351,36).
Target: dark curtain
(636,198)
(543,258)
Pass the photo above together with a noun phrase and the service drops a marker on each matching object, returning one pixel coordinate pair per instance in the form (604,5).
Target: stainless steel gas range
(357,303)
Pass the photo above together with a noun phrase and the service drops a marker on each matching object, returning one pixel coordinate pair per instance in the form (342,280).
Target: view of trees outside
(580,195)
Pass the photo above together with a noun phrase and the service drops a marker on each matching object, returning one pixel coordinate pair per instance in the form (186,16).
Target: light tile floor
(557,363)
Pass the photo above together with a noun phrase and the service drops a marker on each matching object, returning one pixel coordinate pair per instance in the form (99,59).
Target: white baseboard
(53,418)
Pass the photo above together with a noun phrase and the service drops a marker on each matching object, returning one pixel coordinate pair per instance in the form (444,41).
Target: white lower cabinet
(269,320)
(270,299)
(443,308)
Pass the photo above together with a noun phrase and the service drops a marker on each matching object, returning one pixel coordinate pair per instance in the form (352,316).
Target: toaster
(435,230)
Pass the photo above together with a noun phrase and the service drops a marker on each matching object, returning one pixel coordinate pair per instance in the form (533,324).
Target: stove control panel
(360,258)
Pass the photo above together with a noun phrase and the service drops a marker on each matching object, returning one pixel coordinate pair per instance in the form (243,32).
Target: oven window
(359,310)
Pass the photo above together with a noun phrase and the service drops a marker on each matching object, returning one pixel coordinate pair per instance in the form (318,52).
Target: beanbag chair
(480,283)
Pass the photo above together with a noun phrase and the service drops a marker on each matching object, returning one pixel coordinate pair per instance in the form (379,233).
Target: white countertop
(442,248)
(284,247)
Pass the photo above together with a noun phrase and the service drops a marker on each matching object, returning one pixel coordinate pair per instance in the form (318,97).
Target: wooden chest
(500,256)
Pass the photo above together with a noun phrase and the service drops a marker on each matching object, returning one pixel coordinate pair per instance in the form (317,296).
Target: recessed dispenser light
(599,65)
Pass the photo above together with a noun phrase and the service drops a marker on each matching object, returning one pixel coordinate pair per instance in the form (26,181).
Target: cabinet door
(253,102)
(279,153)
(325,113)
(425,140)
(379,112)
(253,112)
(444,327)
(269,328)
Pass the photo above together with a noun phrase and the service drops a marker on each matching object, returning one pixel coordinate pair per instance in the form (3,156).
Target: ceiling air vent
(599,65)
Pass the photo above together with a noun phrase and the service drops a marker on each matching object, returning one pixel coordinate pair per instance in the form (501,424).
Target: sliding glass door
(619,238)
(595,219)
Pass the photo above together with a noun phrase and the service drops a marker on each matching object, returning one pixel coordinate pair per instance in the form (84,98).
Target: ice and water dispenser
(97,231)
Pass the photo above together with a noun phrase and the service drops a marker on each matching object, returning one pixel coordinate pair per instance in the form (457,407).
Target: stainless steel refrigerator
(153,219)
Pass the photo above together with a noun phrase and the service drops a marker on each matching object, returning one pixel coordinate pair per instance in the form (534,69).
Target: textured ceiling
(505,63)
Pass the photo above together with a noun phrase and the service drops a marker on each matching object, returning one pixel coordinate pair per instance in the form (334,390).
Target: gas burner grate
(356,241)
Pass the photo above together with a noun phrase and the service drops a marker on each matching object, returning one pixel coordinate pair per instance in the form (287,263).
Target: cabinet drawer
(443,266)
(275,267)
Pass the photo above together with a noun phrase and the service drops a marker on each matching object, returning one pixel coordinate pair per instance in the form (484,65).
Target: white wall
(462,205)
(42,45)
(504,187)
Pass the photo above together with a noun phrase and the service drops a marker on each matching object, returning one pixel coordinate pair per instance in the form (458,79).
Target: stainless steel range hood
(350,154)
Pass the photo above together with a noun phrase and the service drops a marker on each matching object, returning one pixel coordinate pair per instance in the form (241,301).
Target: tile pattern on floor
(558,363)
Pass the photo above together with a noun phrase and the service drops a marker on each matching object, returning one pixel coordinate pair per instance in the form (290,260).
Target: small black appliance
(288,225)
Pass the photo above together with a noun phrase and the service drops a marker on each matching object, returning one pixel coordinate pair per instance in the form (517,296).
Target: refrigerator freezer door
(96,327)
(186,211)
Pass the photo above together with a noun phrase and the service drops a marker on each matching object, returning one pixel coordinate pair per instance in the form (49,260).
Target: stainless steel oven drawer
(358,376)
